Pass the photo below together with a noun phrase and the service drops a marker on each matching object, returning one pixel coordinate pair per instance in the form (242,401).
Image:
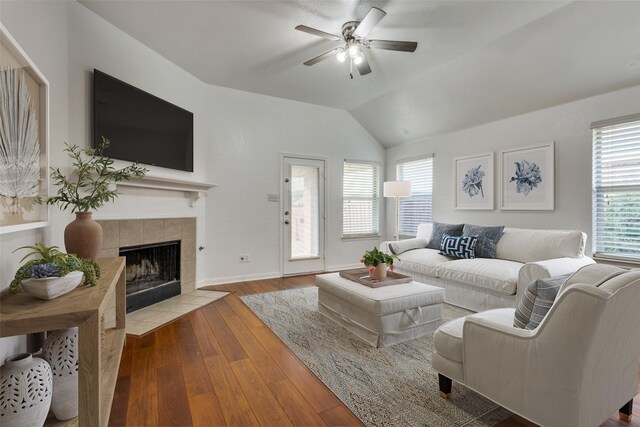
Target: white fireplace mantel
(194,189)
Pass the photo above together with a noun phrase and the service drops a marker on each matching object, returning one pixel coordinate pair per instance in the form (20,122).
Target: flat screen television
(141,127)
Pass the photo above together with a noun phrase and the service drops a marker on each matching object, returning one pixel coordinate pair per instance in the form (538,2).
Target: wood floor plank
(340,416)
(228,342)
(126,358)
(235,407)
(167,350)
(118,415)
(173,405)
(205,410)
(196,376)
(207,341)
(269,371)
(142,407)
(262,401)
(247,316)
(299,411)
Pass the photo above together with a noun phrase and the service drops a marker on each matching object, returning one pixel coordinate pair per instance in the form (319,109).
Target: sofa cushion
(536,301)
(488,238)
(458,247)
(407,245)
(525,245)
(422,261)
(496,274)
(448,338)
(439,230)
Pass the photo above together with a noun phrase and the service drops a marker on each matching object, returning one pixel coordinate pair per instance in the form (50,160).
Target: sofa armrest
(384,247)
(549,268)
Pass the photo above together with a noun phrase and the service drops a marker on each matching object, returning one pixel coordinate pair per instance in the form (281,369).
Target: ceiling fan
(354,42)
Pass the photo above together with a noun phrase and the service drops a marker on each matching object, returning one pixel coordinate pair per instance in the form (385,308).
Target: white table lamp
(397,189)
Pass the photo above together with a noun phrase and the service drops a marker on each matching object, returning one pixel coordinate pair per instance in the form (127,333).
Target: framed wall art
(527,178)
(24,138)
(474,181)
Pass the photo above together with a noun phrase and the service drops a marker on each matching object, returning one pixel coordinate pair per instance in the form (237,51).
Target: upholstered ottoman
(381,316)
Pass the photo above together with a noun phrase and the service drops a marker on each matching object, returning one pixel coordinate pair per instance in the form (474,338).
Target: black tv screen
(141,127)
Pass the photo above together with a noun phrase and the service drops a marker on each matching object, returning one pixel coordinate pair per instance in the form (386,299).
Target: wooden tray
(361,275)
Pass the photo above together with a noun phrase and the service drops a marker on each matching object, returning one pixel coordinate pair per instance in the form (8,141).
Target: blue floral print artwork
(527,177)
(472,182)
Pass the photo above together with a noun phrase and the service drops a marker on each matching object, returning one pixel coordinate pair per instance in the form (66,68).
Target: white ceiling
(476,61)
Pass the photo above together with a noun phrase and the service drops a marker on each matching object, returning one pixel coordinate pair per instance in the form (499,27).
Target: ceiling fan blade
(321,57)
(318,33)
(363,67)
(393,45)
(371,20)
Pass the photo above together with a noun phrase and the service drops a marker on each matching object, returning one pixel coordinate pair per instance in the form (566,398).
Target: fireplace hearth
(152,273)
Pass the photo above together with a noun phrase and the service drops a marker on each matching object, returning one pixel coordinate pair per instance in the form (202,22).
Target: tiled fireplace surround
(131,232)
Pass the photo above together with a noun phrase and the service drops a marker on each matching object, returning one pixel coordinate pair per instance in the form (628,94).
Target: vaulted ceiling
(477,61)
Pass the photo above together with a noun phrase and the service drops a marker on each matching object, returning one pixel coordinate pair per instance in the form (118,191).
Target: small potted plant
(54,273)
(86,189)
(377,262)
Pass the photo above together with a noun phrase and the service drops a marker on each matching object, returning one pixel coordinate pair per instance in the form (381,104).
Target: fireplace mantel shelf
(193,188)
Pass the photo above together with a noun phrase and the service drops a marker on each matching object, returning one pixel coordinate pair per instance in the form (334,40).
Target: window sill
(619,261)
(369,237)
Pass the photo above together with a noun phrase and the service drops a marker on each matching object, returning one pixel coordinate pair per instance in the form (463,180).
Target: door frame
(323,235)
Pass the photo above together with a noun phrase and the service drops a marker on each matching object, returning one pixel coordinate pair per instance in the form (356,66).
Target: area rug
(393,386)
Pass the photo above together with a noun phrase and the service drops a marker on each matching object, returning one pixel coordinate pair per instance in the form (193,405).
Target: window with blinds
(416,208)
(360,199)
(616,188)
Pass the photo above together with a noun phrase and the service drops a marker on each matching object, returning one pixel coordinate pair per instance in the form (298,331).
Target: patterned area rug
(392,386)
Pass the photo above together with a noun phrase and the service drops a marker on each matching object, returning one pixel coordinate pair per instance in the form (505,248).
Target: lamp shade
(397,189)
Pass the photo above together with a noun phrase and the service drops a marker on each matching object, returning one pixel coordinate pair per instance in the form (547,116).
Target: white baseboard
(236,279)
(344,267)
(262,276)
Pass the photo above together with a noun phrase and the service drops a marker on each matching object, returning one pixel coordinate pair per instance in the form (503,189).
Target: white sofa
(575,369)
(522,255)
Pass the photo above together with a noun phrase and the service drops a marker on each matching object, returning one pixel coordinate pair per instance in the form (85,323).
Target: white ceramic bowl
(52,287)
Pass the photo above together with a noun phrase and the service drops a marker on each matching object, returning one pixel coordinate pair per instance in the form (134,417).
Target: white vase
(61,351)
(25,391)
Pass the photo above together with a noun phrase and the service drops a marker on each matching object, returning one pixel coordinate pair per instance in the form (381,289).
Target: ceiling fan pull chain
(351,68)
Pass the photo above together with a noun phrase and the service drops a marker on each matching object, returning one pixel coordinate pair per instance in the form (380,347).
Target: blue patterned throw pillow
(459,247)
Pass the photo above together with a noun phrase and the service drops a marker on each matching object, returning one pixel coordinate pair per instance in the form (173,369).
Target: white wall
(249,133)
(568,125)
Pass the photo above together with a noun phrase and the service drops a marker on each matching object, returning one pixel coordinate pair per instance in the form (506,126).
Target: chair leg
(445,386)
(625,411)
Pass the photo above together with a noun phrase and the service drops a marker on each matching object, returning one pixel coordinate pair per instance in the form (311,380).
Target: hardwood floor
(220,365)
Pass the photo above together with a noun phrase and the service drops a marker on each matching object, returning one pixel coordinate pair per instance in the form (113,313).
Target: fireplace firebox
(152,272)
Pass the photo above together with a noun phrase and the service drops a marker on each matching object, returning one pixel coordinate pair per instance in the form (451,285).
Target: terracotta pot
(379,273)
(25,391)
(83,236)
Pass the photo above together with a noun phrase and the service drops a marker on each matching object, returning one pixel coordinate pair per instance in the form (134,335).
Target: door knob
(286,222)
(286,180)
(286,212)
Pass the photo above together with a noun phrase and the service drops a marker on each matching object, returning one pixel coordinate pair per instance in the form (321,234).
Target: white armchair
(576,369)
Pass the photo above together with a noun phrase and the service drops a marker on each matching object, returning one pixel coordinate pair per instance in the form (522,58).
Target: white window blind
(416,208)
(616,189)
(361,199)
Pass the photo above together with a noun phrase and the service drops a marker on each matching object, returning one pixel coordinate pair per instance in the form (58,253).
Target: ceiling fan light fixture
(358,60)
(341,56)
(353,51)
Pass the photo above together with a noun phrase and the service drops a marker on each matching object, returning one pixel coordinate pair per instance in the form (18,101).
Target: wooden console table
(83,307)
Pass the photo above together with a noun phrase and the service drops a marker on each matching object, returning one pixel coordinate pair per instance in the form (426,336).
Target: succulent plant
(39,271)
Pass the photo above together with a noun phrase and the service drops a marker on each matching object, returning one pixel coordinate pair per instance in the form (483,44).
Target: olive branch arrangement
(89,188)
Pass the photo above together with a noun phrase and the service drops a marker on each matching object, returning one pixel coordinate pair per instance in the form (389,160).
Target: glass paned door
(303,215)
